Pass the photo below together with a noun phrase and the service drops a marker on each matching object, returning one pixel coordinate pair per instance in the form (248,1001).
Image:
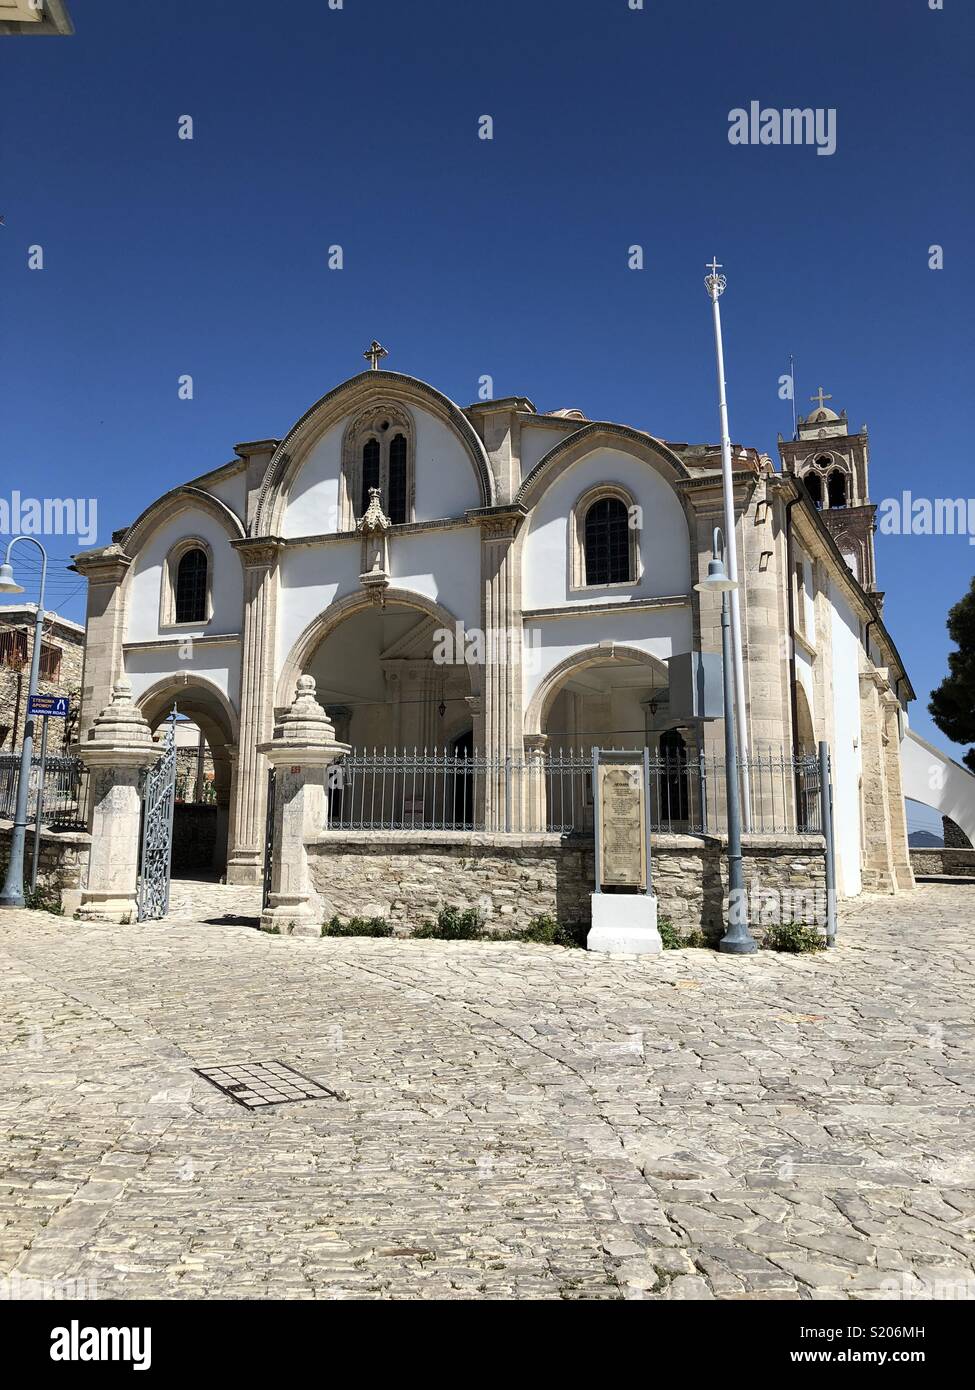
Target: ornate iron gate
(158,803)
(268,836)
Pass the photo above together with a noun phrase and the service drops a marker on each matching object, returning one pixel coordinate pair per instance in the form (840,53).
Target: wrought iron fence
(64,803)
(444,790)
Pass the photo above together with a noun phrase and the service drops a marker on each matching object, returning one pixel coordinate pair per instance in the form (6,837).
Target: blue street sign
(54,706)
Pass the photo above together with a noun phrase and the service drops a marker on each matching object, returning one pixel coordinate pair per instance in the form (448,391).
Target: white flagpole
(715,285)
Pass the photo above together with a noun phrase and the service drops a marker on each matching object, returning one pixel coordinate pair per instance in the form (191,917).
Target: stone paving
(515,1121)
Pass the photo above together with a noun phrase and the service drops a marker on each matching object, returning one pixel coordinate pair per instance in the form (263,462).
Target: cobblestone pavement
(515,1120)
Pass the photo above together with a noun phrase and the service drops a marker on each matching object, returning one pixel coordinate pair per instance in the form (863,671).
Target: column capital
(258,552)
(106,566)
(499,523)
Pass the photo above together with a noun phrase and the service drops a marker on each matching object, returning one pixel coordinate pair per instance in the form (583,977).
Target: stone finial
(306,721)
(121,723)
(374,518)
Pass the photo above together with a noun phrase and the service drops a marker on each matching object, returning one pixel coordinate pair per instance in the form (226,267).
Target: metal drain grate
(256,1084)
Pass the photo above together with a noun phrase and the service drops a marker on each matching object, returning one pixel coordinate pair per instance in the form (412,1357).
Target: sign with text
(622,844)
(53,706)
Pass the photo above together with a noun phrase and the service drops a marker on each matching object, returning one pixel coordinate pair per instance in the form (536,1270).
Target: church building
(503,589)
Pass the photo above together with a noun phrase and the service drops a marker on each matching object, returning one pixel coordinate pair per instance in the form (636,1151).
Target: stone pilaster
(502,719)
(901,869)
(105,571)
(117,751)
(301,750)
(245,859)
(535,809)
(878,872)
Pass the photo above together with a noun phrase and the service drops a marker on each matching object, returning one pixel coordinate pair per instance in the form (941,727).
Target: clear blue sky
(466,257)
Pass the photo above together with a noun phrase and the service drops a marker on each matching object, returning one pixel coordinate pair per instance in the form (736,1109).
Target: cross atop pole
(820,399)
(714,283)
(374,353)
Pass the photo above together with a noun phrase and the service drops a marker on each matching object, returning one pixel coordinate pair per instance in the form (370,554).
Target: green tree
(952,705)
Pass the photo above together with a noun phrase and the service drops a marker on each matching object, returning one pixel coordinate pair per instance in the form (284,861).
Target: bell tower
(833,466)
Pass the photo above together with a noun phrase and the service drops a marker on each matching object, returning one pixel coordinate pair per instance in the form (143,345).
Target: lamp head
(717,581)
(9,585)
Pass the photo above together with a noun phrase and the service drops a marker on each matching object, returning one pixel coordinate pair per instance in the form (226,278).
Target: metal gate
(158,803)
(268,836)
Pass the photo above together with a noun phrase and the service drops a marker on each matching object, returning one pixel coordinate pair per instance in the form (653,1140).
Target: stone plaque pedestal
(624,924)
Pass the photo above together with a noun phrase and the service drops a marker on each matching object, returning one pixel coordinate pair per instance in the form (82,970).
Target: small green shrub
(546,931)
(46,897)
(673,940)
(358,926)
(452,924)
(794,937)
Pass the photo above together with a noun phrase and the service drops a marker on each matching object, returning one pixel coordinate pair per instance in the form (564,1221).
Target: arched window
(836,488)
(191,587)
(371,467)
(814,486)
(397,509)
(379,450)
(607,542)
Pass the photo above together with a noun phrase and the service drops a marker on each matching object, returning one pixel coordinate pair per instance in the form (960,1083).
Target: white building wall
(446,485)
(664,544)
(219,663)
(145,579)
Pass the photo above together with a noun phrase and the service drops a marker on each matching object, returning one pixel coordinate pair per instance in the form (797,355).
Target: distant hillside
(923,839)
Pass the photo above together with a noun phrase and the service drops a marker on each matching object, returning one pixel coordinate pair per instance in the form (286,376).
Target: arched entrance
(206,737)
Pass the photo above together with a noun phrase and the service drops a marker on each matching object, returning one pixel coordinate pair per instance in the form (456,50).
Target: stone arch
(322,626)
(805,733)
(171,504)
(593,436)
(206,705)
(350,398)
(548,690)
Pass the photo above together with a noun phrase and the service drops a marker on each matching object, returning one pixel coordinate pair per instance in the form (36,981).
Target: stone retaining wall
(407,877)
(63,860)
(944,861)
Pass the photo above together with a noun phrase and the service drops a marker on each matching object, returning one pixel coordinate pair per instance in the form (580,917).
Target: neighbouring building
(507,586)
(62,658)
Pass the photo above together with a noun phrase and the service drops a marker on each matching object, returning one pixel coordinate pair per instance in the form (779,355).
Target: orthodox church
(511,586)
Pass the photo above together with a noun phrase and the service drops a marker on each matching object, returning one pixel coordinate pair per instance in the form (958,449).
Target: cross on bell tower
(374,354)
(820,399)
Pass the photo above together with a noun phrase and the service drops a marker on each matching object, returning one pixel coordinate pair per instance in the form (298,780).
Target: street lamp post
(716,285)
(13,887)
(737,939)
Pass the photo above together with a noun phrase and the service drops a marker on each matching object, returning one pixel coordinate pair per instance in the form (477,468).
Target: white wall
(446,485)
(662,632)
(664,543)
(232,491)
(145,579)
(847,742)
(536,441)
(219,663)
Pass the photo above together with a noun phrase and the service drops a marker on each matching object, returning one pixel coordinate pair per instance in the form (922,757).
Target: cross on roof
(821,399)
(714,265)
(374,353)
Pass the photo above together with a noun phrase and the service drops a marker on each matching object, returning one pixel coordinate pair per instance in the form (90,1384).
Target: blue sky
(358,127)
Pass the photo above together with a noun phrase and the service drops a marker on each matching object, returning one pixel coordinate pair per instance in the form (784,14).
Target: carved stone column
(245,859)
(878,875)
(117,751)
(301,750)
(536,807)
(502,624)
(903,874)
(105,571)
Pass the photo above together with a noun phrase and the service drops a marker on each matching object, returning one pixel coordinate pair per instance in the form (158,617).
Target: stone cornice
(499,523)
(159,644)
(584,610)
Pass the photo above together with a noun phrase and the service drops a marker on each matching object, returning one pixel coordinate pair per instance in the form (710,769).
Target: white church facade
(507,586)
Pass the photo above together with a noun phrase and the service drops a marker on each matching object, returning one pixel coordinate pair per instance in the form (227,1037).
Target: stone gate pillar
(118,749)
(301,750)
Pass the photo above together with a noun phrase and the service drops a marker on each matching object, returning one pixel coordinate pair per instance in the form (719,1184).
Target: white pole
(715,285)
